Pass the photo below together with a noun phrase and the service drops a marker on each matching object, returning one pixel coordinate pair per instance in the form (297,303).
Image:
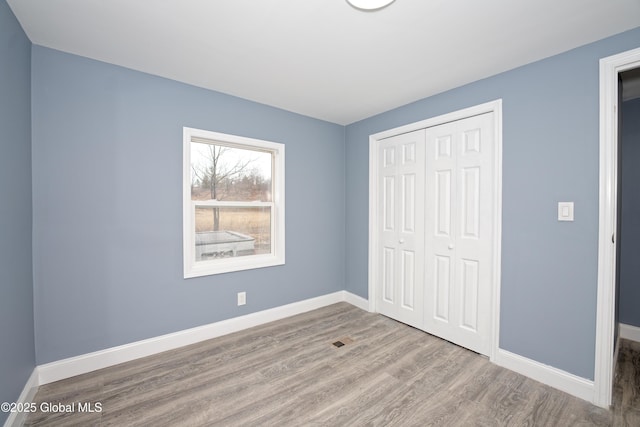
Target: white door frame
(494,107)
(605,322)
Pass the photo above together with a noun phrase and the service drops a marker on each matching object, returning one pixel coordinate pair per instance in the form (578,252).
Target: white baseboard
(28,393)
(629,332)
(356,300)
(82,364)
(554,377)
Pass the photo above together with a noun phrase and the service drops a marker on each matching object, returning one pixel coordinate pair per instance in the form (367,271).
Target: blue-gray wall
(107,201)
(629,301)
(550,154)
(17,355)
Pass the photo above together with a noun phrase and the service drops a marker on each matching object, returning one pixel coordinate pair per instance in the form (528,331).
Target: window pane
(223,232)
(231,174)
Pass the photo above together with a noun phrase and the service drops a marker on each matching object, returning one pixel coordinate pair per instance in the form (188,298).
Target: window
(233,192)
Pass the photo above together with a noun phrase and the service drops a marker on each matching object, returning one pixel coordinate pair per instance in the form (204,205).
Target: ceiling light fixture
(369,4)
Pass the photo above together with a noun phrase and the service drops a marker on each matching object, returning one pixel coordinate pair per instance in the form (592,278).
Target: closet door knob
(401,241)
(450,245)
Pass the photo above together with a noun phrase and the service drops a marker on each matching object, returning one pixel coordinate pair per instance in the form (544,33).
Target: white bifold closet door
(459,231)
(401,227)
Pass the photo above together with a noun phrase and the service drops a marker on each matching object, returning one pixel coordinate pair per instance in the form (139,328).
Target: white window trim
(205,268)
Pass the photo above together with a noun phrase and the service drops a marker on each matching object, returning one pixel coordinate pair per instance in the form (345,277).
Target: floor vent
(342,342)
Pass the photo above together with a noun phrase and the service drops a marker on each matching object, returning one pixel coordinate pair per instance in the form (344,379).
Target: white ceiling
(323,58)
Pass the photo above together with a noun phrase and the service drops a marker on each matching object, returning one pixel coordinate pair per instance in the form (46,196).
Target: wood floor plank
(288,373)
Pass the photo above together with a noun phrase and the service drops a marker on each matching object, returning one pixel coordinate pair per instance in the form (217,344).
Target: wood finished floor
(288,373)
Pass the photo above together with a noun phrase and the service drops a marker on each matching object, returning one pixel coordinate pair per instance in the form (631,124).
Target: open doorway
(611,87)
(628,268)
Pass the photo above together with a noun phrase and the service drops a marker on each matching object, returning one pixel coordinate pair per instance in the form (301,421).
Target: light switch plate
(242,298)
(565,211)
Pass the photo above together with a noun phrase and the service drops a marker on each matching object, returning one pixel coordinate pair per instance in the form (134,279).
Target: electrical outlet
(242,298)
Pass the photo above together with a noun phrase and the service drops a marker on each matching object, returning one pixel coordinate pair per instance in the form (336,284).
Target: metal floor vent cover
(343,341)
